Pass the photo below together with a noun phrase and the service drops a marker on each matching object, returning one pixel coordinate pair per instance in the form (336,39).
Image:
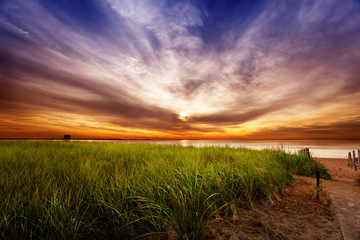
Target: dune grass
(78,190)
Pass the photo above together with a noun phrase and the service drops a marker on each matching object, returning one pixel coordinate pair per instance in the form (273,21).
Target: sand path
(345,194)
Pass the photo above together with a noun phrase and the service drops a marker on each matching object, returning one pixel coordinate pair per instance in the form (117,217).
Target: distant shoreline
(178,139)
(89,139)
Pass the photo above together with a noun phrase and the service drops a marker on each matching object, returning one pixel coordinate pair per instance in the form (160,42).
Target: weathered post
(354,157)
(317,177)
(358,159)
(349,160)
(67,137)
(317,172)
(307,152)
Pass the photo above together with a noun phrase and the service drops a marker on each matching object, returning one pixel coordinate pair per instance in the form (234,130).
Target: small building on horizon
(67,137)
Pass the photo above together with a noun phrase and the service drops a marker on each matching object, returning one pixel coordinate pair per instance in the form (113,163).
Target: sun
(183,115)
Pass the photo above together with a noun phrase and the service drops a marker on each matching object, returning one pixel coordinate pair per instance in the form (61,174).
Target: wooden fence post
(305,151)
(308,152)
(317,177)
(358,159)
(350,161)
(354,158)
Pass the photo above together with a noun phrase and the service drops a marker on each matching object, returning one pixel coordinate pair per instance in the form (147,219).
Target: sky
(200,69)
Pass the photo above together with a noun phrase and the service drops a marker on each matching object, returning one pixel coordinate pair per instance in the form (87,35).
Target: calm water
(318,148)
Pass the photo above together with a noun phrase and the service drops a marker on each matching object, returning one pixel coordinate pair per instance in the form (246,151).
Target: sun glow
(183,115)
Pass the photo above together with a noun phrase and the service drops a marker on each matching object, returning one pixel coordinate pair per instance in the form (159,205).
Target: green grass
(78,190)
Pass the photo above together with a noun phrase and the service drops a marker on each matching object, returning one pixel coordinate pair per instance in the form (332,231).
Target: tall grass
(76,190)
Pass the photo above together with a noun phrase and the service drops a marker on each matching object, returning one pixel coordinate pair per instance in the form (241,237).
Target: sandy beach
(339,169)
(298,214)
(345,193)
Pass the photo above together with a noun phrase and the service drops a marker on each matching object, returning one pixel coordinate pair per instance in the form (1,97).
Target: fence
(353,161)
(305,151)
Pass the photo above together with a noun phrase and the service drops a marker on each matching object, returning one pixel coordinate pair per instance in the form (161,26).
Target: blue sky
(180,69)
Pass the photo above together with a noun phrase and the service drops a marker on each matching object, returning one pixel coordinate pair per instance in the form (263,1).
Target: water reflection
(318,148)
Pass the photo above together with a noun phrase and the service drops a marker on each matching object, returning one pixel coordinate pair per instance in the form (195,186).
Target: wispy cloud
(138,64)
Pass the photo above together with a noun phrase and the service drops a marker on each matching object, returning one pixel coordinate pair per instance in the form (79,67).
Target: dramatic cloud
(128,69)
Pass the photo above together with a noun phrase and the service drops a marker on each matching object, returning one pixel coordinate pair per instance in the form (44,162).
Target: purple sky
(180,69)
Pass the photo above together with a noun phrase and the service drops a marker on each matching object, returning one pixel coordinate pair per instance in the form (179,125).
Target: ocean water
(318,148)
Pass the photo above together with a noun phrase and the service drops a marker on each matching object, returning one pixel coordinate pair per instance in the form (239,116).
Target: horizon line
(177,139)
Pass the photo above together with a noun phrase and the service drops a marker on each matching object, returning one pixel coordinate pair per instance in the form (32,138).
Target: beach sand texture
(345,194)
